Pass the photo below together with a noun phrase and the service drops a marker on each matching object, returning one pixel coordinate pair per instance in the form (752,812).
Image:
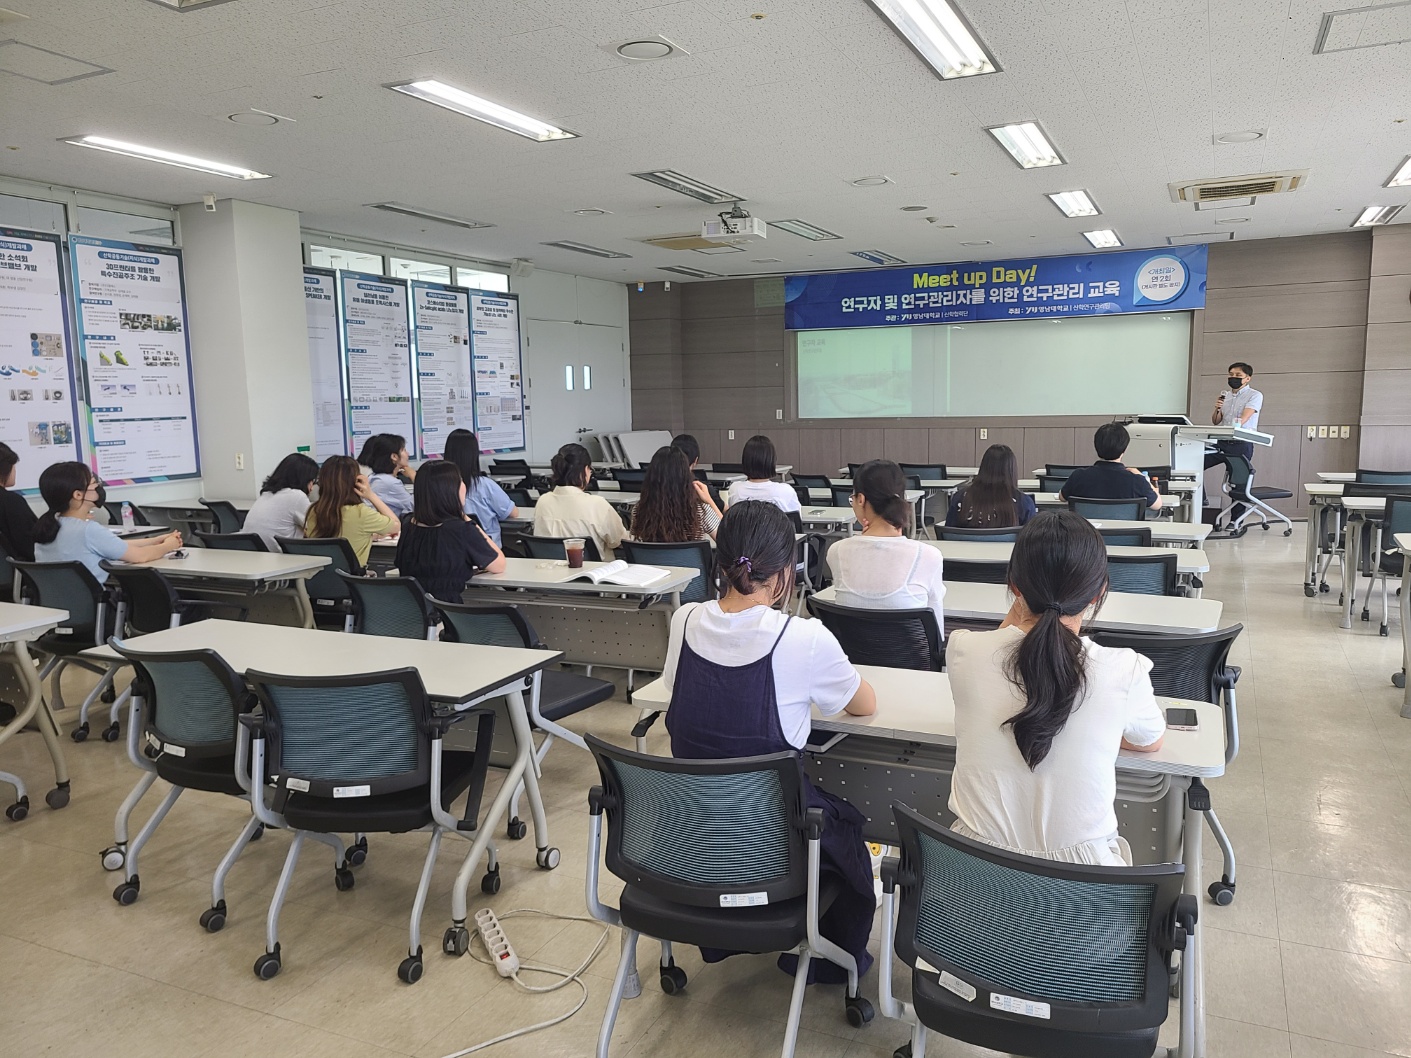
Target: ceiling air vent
(1245,187)
(686,241)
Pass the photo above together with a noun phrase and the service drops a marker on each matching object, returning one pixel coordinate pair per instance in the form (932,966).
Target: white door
(577,380)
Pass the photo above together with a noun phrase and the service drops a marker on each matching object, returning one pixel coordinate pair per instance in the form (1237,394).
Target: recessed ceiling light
(1231,220)
(939,35)
(156,154)
(1074,203)
(1247,136)
(1199,237)
(803,229)
(429,214)
(252,117)
(1374,215)
(688,186)
(187,5)
(591,211)
(644,49)
(870,181)
(877,257)
(694,273)
(980,242)
(473,106)
(1402,176)
(1102,239)
(914,209)
(583,247)
(1026,144)
(766,260)
(720,249)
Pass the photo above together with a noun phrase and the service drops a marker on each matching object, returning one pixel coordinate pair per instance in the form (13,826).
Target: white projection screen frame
(1079,365)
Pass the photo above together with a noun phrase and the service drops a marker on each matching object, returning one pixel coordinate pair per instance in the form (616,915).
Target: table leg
(35,708)
(1352,535)
(1311,548)
(1405,629)
(1193,827)
(306,606)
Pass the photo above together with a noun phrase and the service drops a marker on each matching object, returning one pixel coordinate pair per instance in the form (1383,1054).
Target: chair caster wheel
(1382,631)
(259,833)
(1222,893)
(343,879)
(113,858)
(58,797)
(548,858)
(112,733)
(859,1012)
(213,918)
(456,941)
(1265,527)
(1324,588)
(1398,679)
(673,979)
(109,695)
(516,829)
(80,733)
(490,884)
(357,855)
(1288,532)
(904,1051)
(126,894)
(1309,590)
(267,966)
(410,969)
(20,809)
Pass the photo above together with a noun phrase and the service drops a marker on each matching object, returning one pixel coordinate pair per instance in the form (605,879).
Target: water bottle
(128,521)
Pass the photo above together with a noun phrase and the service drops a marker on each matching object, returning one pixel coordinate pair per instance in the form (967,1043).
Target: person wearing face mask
(1237,405)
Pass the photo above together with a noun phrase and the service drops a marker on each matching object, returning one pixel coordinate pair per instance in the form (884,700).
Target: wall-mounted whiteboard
(38,395)
(134,346)
(441,319)
(325,363)
(378,357)
(499,371)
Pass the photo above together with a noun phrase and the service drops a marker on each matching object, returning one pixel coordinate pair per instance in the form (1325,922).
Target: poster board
(377,357)
(441,321)
(499,371)
(39,413)
(135,350)
(325,363)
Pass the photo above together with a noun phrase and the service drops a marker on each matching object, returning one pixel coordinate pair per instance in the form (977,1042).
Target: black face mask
(1235,383)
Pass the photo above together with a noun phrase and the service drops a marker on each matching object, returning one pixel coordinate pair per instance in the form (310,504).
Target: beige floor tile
(1310,1047)
(1349,999)
(1370,853)
(1364,919)
(266,1034)
(1240,1039)
(1253,910)
(1242,977)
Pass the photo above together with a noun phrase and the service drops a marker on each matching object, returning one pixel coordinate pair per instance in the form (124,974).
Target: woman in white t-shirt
(1042,712)
(743,676)
(758,463)
(882,569)
(283,504)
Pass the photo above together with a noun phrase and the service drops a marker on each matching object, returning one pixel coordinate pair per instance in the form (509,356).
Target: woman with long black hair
(1041,711)
(670,509)
(484,497)
(439,545)
(991,499)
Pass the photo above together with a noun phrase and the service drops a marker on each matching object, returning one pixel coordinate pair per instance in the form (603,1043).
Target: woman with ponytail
(570,510)
(743,676)
(1041,711)
(64,532)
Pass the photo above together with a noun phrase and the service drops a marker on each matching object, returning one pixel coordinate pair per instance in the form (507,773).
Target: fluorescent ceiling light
(1374,215)
(689,186)
(155,154)
(1026,144)
(429,214)
(694,273)
(1199,237)
(1075,203)
(720,249)
(583,247)
(1102,240)
(1402,176)
(877,257)
(452,98)
(804,230)
(937,32)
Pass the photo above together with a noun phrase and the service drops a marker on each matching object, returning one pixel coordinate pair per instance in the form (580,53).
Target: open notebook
(620,572)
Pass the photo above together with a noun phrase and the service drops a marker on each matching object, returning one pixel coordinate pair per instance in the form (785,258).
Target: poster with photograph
(38,400)
(499,371)
(441,317)
(325,364)
(377,351)
(136,356)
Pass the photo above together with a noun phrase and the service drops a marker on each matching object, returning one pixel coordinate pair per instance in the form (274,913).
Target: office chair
(992,937)
(727,468)
(1005,534)
(391,606)
(228,517)
(1052,482)
(897,639)
(521,498)
(233,541)
(1239,486)
(690,838)
(1123,510)
(148,602)
(840,495)
(560,694)
(1396,518)
(958,569)
(329,595)
(1383,477)
(552,547)
(1143,574)
(694,554)
(1195,667)
(812,481)
(927,471)
(809,549)
(630,478)
(362,753)
(1060,470)
(509,466)
(1126,537)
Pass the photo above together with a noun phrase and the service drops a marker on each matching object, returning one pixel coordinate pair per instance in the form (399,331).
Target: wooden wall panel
(1391,251)
(655,302)
(1278,262)
(1389,299)
(906,445)
(820,450)
(656,372)
(716,370)
(1388,346)
(732,297)
(733,334)
(1274,351)
(734,408)
(858,445)
(953,446)
(657,409)
(1387,399)
(1053,445)
(1385,448)
(1278,311)
(1296,398)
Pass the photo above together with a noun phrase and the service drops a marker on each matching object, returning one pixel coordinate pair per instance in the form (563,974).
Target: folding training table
(20,626)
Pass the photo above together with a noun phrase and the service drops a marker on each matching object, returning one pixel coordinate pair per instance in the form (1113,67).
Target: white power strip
(502,953)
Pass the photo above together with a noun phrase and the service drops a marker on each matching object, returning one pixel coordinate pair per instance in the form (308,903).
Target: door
(577,374)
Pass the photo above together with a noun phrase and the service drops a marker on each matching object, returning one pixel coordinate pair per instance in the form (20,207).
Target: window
(587,377)
(125,227)
(31,213)
(424,271)
(568,377)
(349,260)
(469,277)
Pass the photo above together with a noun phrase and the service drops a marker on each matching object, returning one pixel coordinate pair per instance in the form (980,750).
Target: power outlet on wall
(984,434)
(1312,433)
(1345,432)
(239,460)
(1322,431)
(732,435)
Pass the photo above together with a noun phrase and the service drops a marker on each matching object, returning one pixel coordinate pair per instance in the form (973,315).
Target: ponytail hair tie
(1055,608)
(744,560)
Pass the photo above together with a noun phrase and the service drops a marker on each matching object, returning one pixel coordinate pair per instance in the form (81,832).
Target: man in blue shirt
(1109,478)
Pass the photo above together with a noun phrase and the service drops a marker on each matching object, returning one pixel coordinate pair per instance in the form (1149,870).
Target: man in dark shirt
(16,517)
(1109,478)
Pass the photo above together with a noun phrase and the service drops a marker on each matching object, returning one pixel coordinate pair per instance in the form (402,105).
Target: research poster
(499,371)
(136,355)
(325,363)
(38,400)
(441,316)
(377,346)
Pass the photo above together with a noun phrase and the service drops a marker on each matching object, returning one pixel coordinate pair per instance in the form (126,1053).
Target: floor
(1313,960)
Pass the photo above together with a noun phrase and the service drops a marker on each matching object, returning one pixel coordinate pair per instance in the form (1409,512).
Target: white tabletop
(1054,499)
(1188,559)
(194,504)
(451,672)
(1185,533)
(1364,505)
(545,574)
(1032,485)
(27,623)
(916,706)
(1337,475)
(1403,542)
(251,566)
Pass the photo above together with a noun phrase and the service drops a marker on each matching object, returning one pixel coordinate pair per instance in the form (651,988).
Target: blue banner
(1097,285)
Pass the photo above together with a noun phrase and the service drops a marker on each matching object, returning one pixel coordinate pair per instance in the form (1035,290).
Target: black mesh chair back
(1355,489)
(233,541)
(727,468)
(67,586)
(1143,574)
(150,603)
(841,495)
(898,639)
(1126,537)
(114,509)
(1052,482)
(1383,477)
(1060,470)
(913,482)
(630,478)
(552,547)
(697,555)
(1123,510)
(192,699)
(1396,518)
(520,497)
(812,481)
(853,469)
(486,626)
(7,571)
(958,569)
(1092,943)
(1005,534)
(326,584)
(925,471)
(390,606)
(229,518)
(693,831)
(804,493)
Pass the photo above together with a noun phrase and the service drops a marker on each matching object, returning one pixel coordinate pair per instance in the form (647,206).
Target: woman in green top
(340,510)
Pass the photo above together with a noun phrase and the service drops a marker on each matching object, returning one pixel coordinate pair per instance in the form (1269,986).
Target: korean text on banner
(442,318)
(499,371)
(377,347)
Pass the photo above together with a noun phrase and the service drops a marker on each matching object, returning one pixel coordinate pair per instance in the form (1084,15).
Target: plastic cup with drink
(573,548)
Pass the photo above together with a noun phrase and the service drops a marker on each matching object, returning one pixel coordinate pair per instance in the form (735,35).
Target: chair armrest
(644,725)
(597,801)
(254,723)
(1182,923)
(891,867)
(1228,676)
(813,823)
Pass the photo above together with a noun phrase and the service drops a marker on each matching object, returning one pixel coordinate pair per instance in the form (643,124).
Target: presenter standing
(1237,405)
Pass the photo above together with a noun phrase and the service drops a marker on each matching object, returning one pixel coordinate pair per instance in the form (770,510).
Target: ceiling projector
(737,225)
